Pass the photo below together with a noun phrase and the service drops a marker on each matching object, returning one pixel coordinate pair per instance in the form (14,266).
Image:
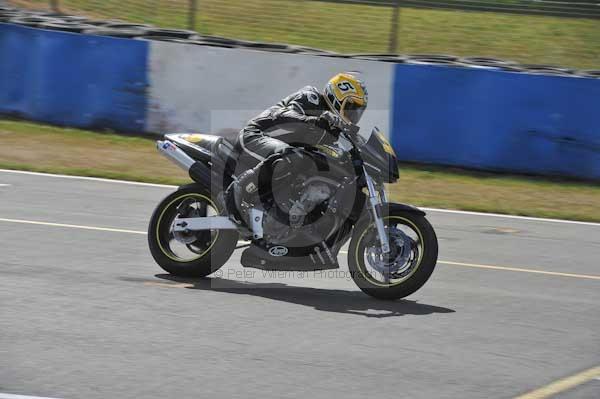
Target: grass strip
(43,148)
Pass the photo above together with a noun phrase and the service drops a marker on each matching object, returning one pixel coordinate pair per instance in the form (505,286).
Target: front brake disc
(397,262)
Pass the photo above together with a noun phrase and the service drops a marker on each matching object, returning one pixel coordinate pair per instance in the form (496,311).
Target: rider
(308,112)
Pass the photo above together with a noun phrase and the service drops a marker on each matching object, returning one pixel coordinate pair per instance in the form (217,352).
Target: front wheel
(194,254)
(412,258)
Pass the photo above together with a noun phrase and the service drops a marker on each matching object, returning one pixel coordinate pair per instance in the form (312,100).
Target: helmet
(346,95)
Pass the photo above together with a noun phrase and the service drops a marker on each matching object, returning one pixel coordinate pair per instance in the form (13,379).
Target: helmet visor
(353,112)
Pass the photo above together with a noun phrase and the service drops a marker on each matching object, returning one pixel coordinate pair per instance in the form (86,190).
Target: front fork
(376,200)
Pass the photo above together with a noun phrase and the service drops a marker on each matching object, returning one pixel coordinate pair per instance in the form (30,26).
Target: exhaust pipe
(198,171)
(175,154)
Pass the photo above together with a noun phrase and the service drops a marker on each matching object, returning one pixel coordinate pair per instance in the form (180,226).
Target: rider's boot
(254,187)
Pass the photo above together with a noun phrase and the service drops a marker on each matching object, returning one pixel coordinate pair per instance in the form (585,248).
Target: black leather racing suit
(294,121)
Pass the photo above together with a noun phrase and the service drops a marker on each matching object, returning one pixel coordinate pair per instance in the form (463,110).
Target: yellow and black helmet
(346,95)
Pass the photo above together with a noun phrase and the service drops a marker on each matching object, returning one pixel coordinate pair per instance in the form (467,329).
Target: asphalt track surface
(86,313)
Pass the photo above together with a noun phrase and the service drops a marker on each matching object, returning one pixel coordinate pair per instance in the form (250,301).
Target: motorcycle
(300,226)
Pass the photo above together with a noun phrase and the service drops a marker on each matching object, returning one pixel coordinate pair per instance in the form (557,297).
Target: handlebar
(353,129)
(349,130)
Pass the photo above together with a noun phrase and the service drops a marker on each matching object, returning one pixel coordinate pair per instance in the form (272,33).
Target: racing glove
(330,121)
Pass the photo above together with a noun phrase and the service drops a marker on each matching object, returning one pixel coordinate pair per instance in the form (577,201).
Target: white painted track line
(519,269)
(11,396)
(495,215)
(98,179)
(499,215)
(72,226)
(451,263)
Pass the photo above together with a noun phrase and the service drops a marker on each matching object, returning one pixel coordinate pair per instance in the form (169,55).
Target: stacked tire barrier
(471,112)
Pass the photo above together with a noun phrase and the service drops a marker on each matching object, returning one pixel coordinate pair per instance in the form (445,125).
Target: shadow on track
(327,300)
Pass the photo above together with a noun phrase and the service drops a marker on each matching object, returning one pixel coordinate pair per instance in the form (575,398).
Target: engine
(310,197)
(303,215)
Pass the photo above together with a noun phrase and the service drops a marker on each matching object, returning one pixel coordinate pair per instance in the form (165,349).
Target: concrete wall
(215,89)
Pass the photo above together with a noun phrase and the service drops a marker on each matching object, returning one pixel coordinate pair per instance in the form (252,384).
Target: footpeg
(256,222)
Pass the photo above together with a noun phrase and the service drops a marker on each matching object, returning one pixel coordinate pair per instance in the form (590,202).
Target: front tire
(419,253)
(198,254)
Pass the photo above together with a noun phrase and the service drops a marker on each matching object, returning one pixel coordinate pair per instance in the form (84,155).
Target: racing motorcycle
(300,226)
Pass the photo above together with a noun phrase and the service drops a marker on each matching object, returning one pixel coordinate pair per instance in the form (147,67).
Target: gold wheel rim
(160,217)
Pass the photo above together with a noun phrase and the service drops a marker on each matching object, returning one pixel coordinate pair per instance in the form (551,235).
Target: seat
(201,147)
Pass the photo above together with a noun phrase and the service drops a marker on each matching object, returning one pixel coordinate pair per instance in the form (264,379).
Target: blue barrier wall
(497,120)
(72,79)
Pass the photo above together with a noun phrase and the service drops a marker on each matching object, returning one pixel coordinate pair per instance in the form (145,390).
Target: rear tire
(209,258)
(415,277)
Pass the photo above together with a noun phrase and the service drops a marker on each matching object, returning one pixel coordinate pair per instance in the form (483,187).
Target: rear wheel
(412,257)
(196,254)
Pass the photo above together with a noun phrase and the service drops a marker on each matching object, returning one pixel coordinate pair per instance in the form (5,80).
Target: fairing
(380,158)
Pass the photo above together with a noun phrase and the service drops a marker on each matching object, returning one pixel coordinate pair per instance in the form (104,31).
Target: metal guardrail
(571,9)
